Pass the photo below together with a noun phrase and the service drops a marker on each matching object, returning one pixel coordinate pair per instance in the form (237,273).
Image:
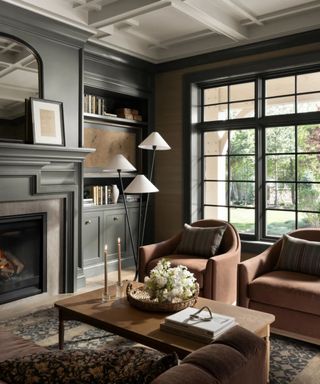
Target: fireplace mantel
(31,152)
(31,173)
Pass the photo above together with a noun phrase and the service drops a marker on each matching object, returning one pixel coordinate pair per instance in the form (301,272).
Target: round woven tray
(139,298)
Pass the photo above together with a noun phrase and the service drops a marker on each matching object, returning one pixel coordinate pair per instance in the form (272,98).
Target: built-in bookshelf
(109,105)
(113,123)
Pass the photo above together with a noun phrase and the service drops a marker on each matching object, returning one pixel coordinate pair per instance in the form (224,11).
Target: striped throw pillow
(200,241)
(299,255)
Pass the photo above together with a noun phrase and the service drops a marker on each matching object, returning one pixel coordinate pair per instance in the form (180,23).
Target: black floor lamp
(120,164)
(140,185)
(154,142)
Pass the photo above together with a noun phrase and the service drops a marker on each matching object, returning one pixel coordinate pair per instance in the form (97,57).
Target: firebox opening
(23,256)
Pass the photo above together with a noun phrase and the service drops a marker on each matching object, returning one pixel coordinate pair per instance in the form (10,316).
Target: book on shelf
(94,104)
(99,195)
(201,327)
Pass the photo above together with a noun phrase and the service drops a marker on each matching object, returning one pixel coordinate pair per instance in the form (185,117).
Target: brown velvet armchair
(293,297)
(217,275)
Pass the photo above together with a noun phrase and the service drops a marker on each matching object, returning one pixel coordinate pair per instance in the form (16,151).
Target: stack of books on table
(200,328)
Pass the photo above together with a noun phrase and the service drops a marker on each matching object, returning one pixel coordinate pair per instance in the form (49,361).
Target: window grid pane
(292,94)
(235,101)
(290,156)
(229,179)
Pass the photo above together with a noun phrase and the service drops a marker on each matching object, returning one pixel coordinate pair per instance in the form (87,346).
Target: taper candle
(106,269)
(119,261)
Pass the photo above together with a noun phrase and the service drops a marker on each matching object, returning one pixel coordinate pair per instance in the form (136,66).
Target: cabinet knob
(87,222)
(115,218)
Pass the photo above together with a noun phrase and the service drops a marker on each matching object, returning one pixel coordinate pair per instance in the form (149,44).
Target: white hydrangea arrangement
(170,284)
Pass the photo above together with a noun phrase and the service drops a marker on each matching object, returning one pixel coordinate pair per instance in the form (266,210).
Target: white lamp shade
(140,184)
(154,141)
(120,163)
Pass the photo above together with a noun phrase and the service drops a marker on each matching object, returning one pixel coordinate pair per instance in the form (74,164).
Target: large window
(261,154)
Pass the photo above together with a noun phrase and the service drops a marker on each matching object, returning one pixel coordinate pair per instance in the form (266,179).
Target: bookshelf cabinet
(117,116)
(104,225)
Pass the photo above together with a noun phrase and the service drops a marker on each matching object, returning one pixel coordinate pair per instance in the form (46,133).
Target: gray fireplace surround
(40,178)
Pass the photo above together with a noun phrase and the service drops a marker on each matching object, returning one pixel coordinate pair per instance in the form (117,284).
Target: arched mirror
(19,80)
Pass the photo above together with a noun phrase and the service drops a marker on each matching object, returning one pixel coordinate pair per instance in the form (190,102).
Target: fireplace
(23,256)
(45,179)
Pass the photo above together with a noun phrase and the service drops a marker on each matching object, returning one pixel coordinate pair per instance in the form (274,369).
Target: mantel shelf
(111,119)
(40,152)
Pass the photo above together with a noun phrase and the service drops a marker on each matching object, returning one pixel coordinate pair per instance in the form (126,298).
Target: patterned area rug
(291,361)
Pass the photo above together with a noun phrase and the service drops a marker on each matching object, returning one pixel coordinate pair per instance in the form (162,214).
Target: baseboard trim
(294,335)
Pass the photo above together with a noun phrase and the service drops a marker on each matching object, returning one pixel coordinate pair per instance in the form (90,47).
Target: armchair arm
(252,268)
(220,281)
(154,251)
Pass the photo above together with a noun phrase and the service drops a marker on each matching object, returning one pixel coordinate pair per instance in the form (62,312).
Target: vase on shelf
(115,193)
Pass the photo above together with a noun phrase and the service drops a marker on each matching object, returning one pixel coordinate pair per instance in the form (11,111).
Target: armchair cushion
(299,255)
(287,289)
(200,241)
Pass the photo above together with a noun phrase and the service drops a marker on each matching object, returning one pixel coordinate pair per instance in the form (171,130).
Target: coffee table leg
(61,330)
(267,339)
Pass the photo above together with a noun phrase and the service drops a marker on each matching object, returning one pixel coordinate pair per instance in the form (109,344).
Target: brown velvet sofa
(237,357)
(217,275)
(293,297)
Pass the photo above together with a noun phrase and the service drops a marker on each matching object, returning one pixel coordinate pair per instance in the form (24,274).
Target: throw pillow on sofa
(200,241)
(122,365)
(299,255)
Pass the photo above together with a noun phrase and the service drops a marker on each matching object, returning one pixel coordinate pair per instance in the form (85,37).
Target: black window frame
(259,122)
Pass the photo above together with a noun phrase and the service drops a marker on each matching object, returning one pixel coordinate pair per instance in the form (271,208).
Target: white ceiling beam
(123,10)
(89,5)
(242,11)
(147,38)
(77,3)
(212,17)
(182,39)
(128,24)
(287,12)
(105,32)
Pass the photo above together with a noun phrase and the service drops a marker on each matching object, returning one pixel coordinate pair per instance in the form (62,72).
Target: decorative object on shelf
(120,164)
(139,185)
(115,193)
(129,113)
(154,142)
(47,122)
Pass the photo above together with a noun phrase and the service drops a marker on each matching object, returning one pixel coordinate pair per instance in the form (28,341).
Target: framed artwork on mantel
(47,122)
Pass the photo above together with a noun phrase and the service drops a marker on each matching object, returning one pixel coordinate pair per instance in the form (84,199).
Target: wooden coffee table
(119,317)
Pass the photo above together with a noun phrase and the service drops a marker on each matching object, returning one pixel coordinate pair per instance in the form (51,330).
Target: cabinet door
(92,244)
(114,228)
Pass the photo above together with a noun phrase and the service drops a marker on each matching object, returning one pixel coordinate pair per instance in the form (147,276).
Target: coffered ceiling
(164,30)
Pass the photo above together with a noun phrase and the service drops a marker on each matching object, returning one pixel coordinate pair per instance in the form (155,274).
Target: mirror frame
(27,129)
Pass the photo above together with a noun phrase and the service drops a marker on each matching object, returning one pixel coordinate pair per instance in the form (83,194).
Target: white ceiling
(164,30)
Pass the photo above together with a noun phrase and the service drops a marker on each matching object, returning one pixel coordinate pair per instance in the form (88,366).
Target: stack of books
(99,194)
(199,328)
